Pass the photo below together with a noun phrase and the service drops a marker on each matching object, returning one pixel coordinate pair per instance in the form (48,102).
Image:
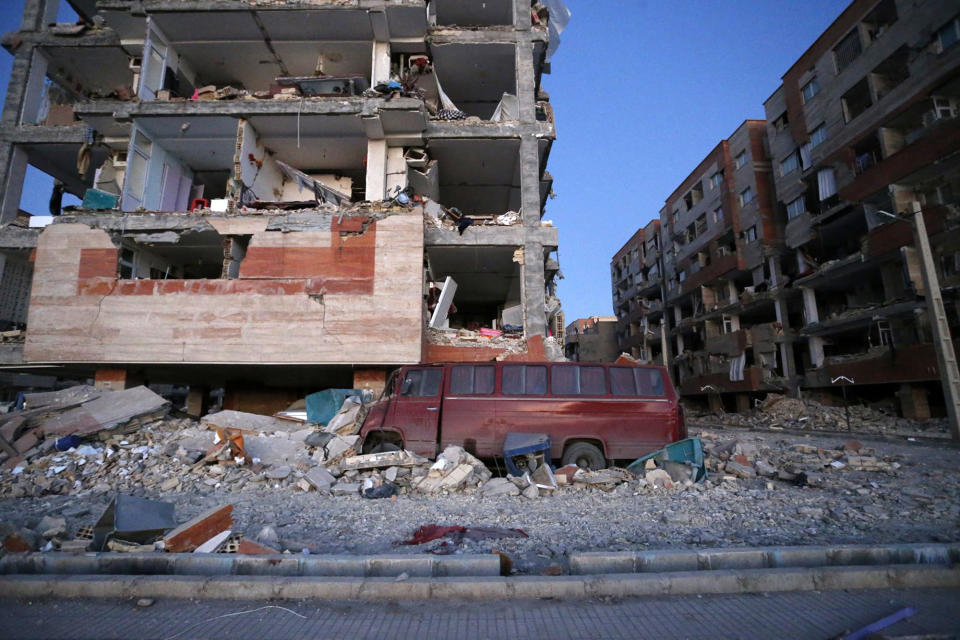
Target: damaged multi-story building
(592,339)
(786,263)
(280,196)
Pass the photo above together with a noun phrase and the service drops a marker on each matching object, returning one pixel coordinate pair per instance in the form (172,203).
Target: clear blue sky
(642,91)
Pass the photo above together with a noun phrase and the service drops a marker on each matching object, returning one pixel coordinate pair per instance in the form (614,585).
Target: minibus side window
(622,382)
(422,383)
(518,379)
(593,381)
(472,380)
(564,380)
(649,382)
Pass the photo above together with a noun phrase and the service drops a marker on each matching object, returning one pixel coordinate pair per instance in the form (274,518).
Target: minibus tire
(586,453)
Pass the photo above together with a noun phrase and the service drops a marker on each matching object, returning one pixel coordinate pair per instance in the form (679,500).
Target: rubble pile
(780,412)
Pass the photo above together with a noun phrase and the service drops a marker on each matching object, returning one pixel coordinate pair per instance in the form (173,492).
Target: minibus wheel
(584,455)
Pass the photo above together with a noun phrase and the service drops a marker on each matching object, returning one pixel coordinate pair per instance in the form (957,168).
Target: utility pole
(946,356)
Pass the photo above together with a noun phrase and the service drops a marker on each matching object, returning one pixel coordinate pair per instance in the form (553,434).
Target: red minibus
(593,412)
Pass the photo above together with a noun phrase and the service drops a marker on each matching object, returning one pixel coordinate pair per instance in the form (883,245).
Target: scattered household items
(97,200)
(132,520)
(682,460)
(525,452)
(312,86)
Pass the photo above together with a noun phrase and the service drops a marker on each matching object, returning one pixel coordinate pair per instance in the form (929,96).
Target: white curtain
(827,183)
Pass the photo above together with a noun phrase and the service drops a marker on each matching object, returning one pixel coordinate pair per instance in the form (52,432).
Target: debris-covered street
(302,490)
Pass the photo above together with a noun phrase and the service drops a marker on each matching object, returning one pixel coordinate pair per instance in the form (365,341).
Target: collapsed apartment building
(783,261)
(279,196)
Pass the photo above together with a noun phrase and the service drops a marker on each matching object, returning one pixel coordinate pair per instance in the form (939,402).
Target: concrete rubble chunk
(339,447)
(531,492)
(380,460)
(268,536)
(346,489)
(740,468)
(659,478)
(320,478)
(105,412)
(249,422)
(498,487)
(279,473)
(52,526)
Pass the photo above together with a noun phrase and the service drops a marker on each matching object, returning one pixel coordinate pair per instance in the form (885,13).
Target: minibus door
(417,408)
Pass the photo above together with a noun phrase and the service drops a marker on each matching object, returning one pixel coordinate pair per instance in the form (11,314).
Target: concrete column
(373,379)
(111,379)
(533,290)
(13,171)
(37,13)
(376,170)
(914,403)
(380,66)
(743,402)
(715,403)
(521,15)
(526,80)
(197,401)
(679,344)
(786,352)
(810,305)
(815,345)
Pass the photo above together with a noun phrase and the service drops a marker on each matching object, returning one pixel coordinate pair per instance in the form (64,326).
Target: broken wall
(347,291)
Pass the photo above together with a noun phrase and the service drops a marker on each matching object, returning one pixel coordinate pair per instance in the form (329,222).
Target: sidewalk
(786,616)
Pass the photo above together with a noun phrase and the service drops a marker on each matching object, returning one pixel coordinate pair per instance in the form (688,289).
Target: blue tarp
(323,405)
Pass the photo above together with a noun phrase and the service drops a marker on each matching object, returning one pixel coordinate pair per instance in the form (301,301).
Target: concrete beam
(458,129)
(448,35)
(515,236)
(68,134)
(246,108)
(94,38)
(159,6)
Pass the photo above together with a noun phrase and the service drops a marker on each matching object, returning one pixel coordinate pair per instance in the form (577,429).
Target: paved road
(783,616)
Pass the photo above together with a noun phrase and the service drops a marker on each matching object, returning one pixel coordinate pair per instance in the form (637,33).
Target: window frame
(818,135)
(955,24)
(793,158)
(803,207)
(742,197)
(740,159)
(473,381)
(814,90)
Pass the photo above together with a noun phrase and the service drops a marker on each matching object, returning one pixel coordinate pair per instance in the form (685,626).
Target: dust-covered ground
(764,488)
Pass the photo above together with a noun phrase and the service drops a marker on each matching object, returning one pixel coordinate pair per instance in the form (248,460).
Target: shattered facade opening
(275,185)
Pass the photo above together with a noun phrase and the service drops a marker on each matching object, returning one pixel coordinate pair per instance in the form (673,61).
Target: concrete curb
(222,564)
(720,581)
(594,563)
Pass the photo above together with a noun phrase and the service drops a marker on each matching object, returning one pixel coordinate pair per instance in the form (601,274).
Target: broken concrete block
(346,488)
(499,487)
(320,478)
(190,535)
(268,536)
(52,526)
(458,477)
(279,473)
(531,492)
(381,460)
(105,412)
(26,442)
(340,446)
(739,469)
(248,422)
(391,474)
(659,478)
(765,469)
(74,546)
(304,485)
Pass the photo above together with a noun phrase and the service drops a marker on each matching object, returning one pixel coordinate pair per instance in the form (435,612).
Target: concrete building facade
(277,193)
(592,339)
(785,265)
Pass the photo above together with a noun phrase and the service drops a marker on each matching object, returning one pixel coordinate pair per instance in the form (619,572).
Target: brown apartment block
(794,273)
(263,211)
